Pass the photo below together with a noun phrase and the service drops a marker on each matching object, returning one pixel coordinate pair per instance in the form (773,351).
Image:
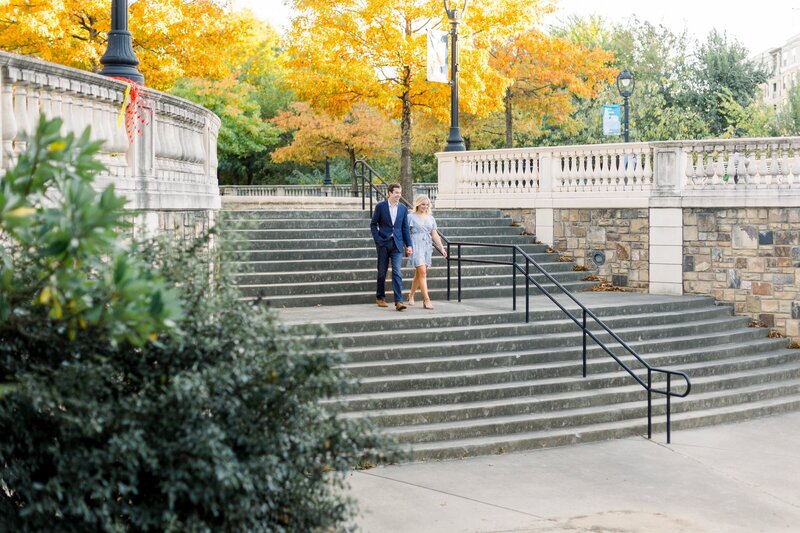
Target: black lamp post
(625,85)
(454,141)
(327,180)
(119,60)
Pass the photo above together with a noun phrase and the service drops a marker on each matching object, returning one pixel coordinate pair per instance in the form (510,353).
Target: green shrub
(140,394)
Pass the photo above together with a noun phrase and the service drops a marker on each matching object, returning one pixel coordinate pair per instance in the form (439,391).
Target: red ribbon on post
(135,108)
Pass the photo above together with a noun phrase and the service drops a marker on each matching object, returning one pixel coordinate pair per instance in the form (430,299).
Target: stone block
(706,222)
(796,309)
(640,226)
(623,253)
(793,328)
(612,236)
(768,319)
(734,279)
(756,264)
(741,263)
(791,237)
(785,280)
(596,235)
(688,263)
(765,238)
(769,305)
(762,288)
(619,280)
(746,285)
(745,237)
(753,304)
(690,233)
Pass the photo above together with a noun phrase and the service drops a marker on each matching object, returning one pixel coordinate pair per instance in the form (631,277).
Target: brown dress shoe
(399,306)
(381,303)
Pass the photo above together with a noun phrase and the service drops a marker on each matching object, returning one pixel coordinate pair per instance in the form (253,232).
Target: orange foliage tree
(171,38)
(362,132)
(544,76)
(348,51)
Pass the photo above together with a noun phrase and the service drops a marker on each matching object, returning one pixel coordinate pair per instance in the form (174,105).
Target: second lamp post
(455,143)
(625,85)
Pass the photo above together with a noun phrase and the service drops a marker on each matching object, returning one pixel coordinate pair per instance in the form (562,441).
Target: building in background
(784,64)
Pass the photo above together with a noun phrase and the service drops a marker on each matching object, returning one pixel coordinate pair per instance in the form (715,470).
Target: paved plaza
(741,477)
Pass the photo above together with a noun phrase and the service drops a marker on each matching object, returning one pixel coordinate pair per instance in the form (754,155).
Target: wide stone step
(363,284)
(339,214)
(536,251)
(559,401)
(368,264)
(421,398)
(355,222)
(436,294)
(697,332)
(312,242)
(444,334)
(550,377)
(328,234)
(330,275)
(542,309)
(623,427)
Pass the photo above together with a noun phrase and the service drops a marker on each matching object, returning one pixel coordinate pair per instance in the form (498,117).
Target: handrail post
(363,189)
(527,291)
(448,271)
(514,278)
(584,343)
(669,404)
(649,403)
(370,190)
(459,273)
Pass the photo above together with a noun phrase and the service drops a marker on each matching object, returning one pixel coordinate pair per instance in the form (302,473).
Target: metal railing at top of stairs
(368,174)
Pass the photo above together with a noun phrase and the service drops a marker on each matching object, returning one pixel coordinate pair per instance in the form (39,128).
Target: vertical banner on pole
(612,120)
(437,56)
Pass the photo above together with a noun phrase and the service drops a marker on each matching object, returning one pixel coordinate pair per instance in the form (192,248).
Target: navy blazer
(383,230)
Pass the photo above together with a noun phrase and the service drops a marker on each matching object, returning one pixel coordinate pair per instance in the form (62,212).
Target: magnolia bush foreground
(136,392)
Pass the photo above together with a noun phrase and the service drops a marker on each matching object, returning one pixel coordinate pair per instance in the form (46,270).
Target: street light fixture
(455,143)
(119,60)
(625,86)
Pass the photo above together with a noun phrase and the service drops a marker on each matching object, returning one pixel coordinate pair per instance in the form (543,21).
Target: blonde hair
(418,201)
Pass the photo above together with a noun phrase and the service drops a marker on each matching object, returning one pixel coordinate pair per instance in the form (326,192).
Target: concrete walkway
(737,478)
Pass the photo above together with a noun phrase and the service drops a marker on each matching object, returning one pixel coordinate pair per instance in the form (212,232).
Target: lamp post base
(120,61)
(454,141)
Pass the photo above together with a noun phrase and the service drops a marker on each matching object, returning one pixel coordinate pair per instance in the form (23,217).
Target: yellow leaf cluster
(344,51)
(172,38)
(363,132)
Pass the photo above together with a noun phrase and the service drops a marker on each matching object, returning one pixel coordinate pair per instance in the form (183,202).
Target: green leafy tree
(141,394)
(722,71)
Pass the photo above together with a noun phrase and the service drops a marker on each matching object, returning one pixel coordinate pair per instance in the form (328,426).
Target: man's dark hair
(393,186)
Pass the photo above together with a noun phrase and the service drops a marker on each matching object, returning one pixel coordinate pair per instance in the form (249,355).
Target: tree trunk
(406,180)
(509,119)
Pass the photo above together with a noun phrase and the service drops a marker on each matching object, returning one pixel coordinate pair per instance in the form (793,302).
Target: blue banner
(612,120)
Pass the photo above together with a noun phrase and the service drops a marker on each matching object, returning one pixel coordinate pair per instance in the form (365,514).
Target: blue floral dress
(421,240)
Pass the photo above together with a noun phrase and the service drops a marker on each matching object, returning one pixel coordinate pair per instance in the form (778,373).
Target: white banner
(437,56)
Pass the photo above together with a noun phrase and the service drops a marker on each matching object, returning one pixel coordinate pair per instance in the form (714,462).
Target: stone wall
(523,217)
(749,257)
(178,225)
(623,234)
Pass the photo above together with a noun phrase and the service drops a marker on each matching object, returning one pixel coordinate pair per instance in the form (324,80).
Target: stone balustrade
(719,217)
(169,167)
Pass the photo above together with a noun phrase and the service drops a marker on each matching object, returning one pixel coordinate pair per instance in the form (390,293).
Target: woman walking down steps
(423,236)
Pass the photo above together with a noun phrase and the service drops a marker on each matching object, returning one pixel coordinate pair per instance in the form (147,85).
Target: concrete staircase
(475,379)
(308,258)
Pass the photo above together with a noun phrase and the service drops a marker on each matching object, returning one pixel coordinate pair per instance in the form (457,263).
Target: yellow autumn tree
(362,132)
(545,74)
(348,51)
(171,38)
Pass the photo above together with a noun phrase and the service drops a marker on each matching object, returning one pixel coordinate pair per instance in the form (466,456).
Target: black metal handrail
(516,267)
(368,173)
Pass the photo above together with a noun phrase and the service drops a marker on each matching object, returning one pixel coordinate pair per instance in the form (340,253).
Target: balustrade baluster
(8,128)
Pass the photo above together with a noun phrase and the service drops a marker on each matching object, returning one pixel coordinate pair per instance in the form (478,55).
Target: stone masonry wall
(523,217)
(623,234)
(749,258)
